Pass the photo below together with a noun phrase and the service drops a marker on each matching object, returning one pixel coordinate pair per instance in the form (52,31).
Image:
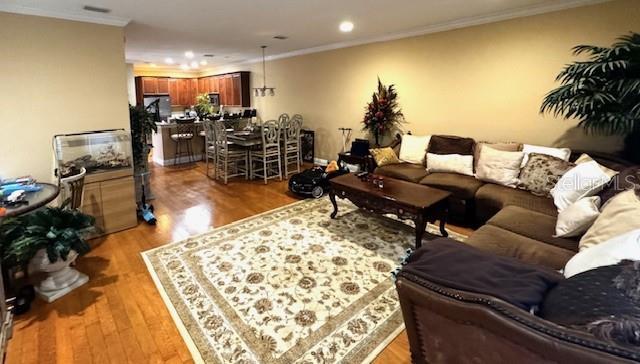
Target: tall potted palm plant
(603,91)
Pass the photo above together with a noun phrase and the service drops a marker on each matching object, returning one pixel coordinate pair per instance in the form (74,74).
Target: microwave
(214,98)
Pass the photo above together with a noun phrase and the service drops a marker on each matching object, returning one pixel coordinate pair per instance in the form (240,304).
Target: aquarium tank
(96,151)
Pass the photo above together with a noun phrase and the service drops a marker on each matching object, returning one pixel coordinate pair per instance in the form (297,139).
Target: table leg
(332,197)
(421,225)
(443,222)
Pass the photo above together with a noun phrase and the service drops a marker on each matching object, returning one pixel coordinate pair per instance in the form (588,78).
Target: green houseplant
(203,106)
(142,124)
(47,241)
(382,112)
(603,91)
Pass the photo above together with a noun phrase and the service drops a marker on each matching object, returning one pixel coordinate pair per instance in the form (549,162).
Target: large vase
(60,278)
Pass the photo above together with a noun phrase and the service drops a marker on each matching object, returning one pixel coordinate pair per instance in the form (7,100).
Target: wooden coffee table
(406,200)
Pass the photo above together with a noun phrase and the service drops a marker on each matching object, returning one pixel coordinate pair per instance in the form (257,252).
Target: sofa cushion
(627,179)
(491,198)
(541,173)
(534,225)
(462,187)
(459,266)
(445,144)
(506,243)
(384,156)
(405,171)
(505,147)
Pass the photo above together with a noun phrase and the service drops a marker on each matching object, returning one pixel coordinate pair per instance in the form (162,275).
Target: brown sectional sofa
(516,222)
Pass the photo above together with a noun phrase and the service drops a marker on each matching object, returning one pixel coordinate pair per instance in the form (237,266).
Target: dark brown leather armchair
(445,325)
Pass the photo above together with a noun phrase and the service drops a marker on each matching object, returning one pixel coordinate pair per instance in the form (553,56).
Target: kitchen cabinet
(233,88)
(162,85)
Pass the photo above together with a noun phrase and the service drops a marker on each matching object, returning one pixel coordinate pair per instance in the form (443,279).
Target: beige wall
(58,77)
(486,81)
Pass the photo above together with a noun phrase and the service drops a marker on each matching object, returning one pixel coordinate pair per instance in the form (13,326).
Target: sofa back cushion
(445,144)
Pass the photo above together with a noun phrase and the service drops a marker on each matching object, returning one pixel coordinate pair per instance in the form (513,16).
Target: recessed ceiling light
(184,66)
(96,9)
(168,60)
(152,65)
(203,62)
(188,54)
(194,64)
(346,26)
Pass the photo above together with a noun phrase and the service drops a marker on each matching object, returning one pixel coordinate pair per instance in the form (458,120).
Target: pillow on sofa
(583,180)
(414,148)
(612,251)
(578,217)
(505,147)
(618,216)
(452,163)
(541,173)
(498,167)
(585,158)
(562,153)
(627,179)
(384,156)
(602,301)
(443,144)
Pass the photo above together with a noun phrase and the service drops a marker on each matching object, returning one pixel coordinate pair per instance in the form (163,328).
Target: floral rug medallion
(287,286)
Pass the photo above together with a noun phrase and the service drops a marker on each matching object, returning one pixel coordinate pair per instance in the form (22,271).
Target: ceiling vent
(96,9)
(281,37)
(207,55)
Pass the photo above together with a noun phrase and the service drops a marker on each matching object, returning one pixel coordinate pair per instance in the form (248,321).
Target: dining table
(245,138)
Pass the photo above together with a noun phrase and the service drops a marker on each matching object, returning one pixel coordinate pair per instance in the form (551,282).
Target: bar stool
(183,137)
(269,155)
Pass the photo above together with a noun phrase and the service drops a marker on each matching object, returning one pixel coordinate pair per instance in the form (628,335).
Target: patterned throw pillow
(542,172)
(384,156)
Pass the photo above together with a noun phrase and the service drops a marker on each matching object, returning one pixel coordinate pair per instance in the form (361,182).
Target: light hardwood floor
(119,317)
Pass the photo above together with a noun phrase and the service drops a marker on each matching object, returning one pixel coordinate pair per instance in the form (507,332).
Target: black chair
(183,137)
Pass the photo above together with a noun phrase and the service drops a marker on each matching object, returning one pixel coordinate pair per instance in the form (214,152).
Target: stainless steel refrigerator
(164,105)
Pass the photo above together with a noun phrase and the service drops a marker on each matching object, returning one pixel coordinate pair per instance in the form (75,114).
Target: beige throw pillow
(619,215)
(503,146)
(499,167)
(384,156)
(585,158)
(451,163)
(578,217)
(562,153)
(413,149)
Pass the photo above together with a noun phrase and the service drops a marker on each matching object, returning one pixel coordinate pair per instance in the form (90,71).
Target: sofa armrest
(445,325)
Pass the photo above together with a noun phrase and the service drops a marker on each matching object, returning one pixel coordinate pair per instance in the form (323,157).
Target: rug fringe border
(193,349)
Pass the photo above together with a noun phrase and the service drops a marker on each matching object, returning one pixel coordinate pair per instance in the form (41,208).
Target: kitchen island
(164,148)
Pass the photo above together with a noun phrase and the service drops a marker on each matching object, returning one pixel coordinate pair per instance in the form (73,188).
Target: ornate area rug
(290,285)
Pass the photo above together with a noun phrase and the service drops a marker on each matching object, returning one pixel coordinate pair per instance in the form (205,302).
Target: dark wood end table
(406,200)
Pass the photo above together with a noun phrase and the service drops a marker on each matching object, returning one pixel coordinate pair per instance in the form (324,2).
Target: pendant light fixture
(264,90)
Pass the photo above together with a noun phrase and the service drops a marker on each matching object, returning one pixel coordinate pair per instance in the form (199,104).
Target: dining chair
(183,136)
(72,188)
(209,145)
(228,155)
(268,156)
(291,144)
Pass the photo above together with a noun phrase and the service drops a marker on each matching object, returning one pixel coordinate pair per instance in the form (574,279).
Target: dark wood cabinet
(233,88)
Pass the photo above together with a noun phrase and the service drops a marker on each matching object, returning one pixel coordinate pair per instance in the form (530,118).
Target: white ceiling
(233,30)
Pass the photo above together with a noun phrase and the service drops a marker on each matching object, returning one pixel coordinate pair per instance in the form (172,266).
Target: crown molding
(75,16)
(436,28)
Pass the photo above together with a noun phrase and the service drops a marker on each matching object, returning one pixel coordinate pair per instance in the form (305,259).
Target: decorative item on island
(383,112)
(603,92)
(48,241)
